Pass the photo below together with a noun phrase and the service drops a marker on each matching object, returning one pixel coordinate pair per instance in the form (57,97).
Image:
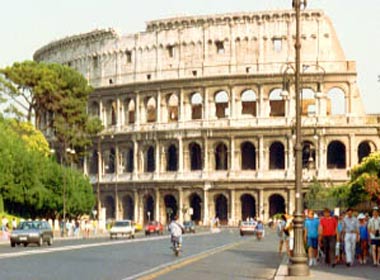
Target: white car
(123,228)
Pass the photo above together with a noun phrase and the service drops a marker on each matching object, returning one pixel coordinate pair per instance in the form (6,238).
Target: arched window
(276,205)
(336,102)
(196,106)
(277,104)
(308,155)
(195,156)
(130,112)
(127,160)
(336,155)
(248,206)
(248,103)
(221,157)
(308,102)
(151,109)
(365,149)
(221,104)
(109,204)
(93,109)
(150,165)
(128,207)
(110,161)
(94,163)
(173,108)
(248,156)
(172,159)
(277,156)
(111,113)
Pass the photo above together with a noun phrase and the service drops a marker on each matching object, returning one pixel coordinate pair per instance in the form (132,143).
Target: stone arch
(196,101)
(150,163)
(221,157)
(110,113)
(276,204)
(130,112)
(221,104)
(365,148)
(308,154)
(195,151)
(172,158)
(171,207)
(94,163)
(173,107)
(109,204)
(127,159)
(151,107)
(195,203)
(336,155)
(308,105)
(128,207)
(336,102)
(93,109)
(221,208)
(248,156)
(149,213)
(248,206)
(276,156)
(248,103)
(276,103)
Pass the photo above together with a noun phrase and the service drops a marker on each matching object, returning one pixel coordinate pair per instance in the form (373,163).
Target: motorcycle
(176,245)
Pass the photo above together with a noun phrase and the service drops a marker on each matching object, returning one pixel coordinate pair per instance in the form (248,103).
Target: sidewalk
(325,272)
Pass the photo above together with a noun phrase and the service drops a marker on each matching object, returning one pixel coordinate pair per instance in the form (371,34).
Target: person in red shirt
(328,236)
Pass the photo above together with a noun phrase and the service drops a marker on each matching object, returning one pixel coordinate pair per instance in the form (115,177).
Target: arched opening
(172,159)
(150,165)
(196,106)
(276,103)
(173,108)
(94,109)
(248,103)
(308,102)
(277,156)
(336,155)
(196,205)
(221,104)
(221,157)
(110,164)
(128,208)
(151,109)
(109,204)
(195,156)
(276,205)
(129,160)
(131,109)
(111,113)
(364,150)
(149,214)
(308,155)
(171,207)
(248,156)
(94,164)
(248,206)
(336,102)
(221,208)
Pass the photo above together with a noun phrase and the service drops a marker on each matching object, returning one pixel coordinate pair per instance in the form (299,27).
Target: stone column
(136,169)
(290,160)
(232,204)
(158,109)
(117,204)
(180,205)
(261,163)
(181,106)
(157,159)
(262,212)
(157,205)
(206,109)
(351,151)
(137,108)
(118,114)
(291,200)
(232,103)
(232,154)
(136,213)
(322,163)
(180,155)
(101,113)
(205,206)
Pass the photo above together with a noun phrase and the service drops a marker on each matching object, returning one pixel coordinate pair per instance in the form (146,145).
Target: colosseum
(199,111)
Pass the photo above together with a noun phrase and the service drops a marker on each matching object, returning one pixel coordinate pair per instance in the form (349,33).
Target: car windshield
(121,224)
(248,223)
(29,225)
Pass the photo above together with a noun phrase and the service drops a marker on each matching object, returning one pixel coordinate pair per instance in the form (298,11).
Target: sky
(27,25)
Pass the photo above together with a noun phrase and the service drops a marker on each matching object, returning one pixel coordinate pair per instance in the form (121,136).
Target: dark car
(28,232)
(189,226)
(154,227)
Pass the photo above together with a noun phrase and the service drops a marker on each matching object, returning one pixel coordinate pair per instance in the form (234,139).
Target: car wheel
(50,241)
(40,241)
(13,244)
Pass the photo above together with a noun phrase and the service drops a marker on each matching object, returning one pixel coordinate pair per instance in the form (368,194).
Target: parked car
(122,228)
(189,226)
(247,227)
(138,227)
(154,227)
(27,232)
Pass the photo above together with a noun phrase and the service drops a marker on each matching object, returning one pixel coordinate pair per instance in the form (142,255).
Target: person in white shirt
(176,230)
(374,232)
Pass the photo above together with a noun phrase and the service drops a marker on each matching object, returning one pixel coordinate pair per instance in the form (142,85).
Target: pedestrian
(290,233)
(328,236)
(364,239)
(281,234)
(259,230)
(311,237)
(351,236)
(14,224)
(374,232)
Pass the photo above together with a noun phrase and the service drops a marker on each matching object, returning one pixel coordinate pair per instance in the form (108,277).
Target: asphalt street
(103,258)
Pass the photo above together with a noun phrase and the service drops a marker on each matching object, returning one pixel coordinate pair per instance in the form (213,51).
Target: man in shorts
(374,232)
(311,237)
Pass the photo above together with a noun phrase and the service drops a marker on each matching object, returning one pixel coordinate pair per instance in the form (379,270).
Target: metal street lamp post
(298,266)
(70,152)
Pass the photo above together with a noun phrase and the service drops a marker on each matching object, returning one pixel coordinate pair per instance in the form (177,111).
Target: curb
(282,270)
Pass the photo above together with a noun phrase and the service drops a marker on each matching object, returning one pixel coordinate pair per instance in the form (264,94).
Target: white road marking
(84,246)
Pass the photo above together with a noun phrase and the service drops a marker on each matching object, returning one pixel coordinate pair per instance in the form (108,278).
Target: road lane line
(170,266)
(84,246)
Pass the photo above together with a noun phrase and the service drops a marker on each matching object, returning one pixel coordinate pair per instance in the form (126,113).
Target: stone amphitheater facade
(198,114)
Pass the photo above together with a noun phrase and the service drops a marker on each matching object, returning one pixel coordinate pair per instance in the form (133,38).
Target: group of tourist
(346,238)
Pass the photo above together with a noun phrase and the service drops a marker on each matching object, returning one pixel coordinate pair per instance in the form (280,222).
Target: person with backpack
(176,230)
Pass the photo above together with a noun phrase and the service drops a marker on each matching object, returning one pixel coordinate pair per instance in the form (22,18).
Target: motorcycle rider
(176,230)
